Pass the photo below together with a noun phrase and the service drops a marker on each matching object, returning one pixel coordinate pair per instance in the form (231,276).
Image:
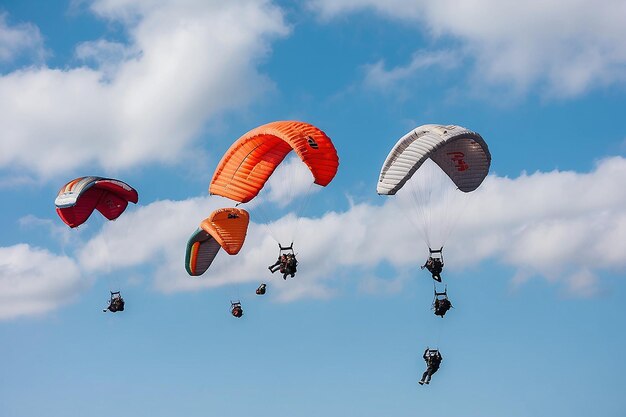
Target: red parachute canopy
(78,198)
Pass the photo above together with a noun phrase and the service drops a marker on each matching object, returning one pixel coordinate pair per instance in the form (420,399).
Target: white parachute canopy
(431,168)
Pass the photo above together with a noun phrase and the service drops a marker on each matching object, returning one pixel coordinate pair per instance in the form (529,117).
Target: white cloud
(564,48)
(14,181)
(564,226)
(186,62)
(55,228)
(22,40)
(107,56)
(404,9)
(371,284)
(583,283)
(34,281)
(292,179)
(378,77)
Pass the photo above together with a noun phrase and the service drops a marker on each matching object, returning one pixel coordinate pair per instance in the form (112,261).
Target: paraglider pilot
(441,303)
(286,263)
(434,264)
(290,266)
(116,303)
(433,360)
(280,263)
(441,306)
(235,309)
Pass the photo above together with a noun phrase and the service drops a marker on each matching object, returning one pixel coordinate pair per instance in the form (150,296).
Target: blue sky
(154,93)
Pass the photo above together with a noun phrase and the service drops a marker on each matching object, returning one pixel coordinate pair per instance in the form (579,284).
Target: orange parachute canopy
(250,161)
(224,228)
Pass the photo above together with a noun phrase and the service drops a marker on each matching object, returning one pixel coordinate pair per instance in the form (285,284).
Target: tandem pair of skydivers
(287,263)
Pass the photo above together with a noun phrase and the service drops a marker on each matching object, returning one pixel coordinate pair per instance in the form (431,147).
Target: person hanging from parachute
(280,264)
(291,266)
(441,303)
(433,359)
(434,263)
(287,263)
(116,303)
(261,289)
(253,158)
(235,309)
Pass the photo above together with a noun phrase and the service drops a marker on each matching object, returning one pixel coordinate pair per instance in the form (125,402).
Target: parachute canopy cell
(462,154)
(247,165)
(78,198)
(224,228)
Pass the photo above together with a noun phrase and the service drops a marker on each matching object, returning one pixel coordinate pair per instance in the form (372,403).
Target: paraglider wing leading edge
(462,154)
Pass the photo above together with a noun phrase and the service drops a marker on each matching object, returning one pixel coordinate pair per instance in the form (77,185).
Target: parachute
(462,154)
(224,228)
(251,160)
(78,198)
(443,160)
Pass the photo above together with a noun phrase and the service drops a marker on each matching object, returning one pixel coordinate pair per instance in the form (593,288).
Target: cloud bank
(541,224)
(34,281)
(563,226)
(143,101)
(565,49)
(19,41)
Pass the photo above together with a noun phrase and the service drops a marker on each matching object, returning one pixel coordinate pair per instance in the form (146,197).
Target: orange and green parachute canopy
(224,228)
(250,161)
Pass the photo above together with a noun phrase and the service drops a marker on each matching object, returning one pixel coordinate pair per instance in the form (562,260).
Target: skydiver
(435,263)
(235,309)
(116,303)
(261,289)
(441,302)
(441,306)
(434,266)
(290,266)
(279,264)
(433,359)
